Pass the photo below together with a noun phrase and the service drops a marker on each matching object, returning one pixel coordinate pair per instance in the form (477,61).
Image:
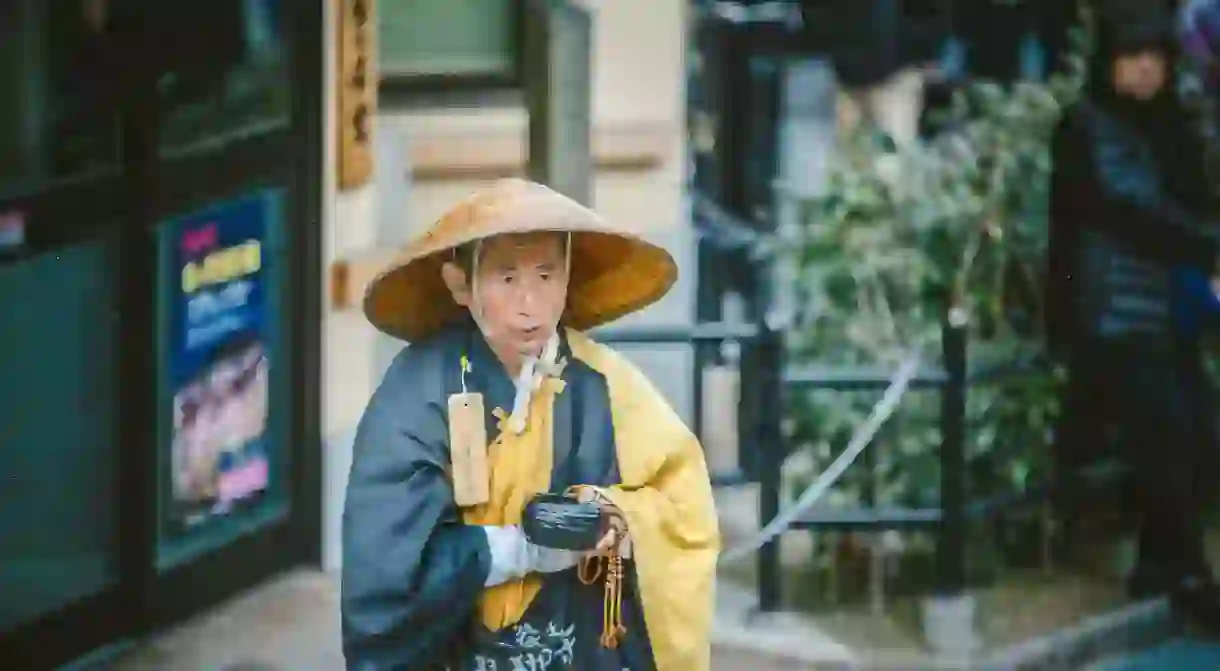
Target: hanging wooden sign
(468,450)
(356,83)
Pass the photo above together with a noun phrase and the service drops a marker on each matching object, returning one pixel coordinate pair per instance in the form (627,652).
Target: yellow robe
(665,495)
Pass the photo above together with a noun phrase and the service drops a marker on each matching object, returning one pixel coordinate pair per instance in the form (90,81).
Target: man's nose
(528,294)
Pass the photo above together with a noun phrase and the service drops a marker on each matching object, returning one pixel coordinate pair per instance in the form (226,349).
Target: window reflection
(58,500)
(59,91)
(224,72)
(421,38)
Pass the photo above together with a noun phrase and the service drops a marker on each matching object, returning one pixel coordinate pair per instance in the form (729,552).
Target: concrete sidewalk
(1178,655)
(292,624)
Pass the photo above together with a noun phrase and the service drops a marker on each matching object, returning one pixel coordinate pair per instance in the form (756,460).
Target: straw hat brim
(613,272)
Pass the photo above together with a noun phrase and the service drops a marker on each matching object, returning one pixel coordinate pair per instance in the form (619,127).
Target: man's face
(1140,75)
(522,289)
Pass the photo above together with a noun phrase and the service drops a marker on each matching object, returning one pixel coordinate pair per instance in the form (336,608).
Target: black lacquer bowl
(561,522)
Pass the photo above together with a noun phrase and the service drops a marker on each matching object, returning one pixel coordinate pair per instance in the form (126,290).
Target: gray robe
(413,572)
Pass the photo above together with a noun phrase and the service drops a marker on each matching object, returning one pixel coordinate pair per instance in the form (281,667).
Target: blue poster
(219,359)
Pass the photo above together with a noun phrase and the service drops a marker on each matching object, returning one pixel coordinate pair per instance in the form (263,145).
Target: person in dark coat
(1128,221)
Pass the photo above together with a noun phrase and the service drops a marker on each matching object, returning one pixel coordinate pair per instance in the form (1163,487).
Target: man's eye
(508,279)
(545,276)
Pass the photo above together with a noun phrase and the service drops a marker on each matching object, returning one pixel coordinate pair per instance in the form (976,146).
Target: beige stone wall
(639,103)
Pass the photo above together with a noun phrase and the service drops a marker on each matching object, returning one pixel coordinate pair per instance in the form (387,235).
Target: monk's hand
(616,523)
(616,529)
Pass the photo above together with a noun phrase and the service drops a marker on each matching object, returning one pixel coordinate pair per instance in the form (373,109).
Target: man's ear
(455,280)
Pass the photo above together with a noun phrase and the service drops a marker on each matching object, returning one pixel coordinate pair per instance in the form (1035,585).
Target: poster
(219,361)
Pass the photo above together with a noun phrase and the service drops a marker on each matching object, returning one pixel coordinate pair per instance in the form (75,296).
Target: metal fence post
(771,452)
(951,548)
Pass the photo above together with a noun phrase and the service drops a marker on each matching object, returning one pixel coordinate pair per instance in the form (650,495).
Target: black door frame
(130,204)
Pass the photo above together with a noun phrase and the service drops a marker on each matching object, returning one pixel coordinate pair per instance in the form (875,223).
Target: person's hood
(1127,27)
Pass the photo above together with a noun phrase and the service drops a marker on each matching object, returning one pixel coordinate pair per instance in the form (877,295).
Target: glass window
(224,71)
(58,91)
(447,37)
(58,450)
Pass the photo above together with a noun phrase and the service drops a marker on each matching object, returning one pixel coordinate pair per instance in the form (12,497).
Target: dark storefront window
(225,74)
(160,187)
(58,92)
(58,454)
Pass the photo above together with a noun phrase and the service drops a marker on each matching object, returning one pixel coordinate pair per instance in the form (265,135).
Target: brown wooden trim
(493,154)
(348,278)
(356,80)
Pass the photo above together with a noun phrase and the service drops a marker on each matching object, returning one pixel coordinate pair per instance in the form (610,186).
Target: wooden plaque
(356,81)
(468,450)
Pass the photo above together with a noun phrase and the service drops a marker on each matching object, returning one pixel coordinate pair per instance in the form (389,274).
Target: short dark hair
(463,258)
(463,255)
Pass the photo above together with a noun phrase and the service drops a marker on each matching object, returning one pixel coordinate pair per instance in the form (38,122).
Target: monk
(495,300)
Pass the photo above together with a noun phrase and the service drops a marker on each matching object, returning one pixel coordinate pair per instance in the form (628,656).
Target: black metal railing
(761,433)
(949,520)
(957,509)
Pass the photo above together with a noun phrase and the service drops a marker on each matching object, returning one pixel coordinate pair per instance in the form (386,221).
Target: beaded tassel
(611,565)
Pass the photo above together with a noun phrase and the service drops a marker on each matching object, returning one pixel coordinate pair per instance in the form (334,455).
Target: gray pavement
(291,624)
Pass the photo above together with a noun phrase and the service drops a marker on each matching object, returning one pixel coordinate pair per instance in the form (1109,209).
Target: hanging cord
(957,317)
(860,440)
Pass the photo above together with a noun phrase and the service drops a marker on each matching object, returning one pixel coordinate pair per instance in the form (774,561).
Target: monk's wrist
(509,554)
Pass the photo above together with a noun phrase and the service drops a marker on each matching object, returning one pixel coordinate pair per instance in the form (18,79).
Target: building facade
(185,235)
(452,116)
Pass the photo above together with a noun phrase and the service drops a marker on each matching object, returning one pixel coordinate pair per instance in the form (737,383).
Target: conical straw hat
(613,273)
